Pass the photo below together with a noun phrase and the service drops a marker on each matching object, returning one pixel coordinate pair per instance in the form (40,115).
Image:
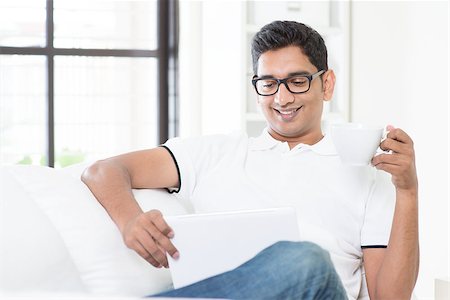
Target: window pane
(22,23)
(110,24)
(104,106)
(23,132)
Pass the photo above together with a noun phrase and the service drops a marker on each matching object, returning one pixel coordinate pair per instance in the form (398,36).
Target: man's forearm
(111,186)
(398,273)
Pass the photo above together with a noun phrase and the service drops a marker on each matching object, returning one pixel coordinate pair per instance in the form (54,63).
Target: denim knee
(307,256)
(303,270)
(285,270)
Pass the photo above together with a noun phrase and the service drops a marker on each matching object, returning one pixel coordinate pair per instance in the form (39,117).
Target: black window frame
(166,53)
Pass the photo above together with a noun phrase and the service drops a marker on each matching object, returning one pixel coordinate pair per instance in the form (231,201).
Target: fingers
(146,255)
(140,241)
(398,135)
(401,147)
(159,232)
(388,162)
(398,141)
(400,162)
(163,235)
(152,246)
(149,235)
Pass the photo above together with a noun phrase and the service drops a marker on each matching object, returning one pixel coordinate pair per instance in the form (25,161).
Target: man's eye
(299,81)
(268,84)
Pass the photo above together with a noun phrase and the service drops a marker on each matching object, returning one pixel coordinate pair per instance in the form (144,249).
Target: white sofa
(56,239)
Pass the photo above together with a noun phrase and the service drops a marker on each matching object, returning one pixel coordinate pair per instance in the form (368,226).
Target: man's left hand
(400,163)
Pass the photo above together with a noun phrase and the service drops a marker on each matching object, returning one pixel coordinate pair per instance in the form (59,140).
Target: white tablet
(210,244)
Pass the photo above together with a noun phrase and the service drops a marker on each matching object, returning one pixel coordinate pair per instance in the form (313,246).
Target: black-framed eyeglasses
(297,84)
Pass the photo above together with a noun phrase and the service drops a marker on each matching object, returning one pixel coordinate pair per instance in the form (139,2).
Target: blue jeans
(285,270)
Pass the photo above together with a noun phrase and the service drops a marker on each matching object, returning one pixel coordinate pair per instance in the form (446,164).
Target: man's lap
(285,270)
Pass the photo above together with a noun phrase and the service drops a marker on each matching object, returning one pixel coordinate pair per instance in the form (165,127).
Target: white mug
(356,143)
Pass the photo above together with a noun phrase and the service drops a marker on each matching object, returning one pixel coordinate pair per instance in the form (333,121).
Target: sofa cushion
(105,264)
(33,256)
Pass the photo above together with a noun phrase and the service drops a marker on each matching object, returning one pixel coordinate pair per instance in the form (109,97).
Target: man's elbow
(91,172)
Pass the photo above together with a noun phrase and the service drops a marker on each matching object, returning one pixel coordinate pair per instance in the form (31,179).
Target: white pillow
(106,265)
(147,198)
(33,257)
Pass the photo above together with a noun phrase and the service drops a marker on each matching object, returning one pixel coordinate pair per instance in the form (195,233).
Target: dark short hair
(280,34)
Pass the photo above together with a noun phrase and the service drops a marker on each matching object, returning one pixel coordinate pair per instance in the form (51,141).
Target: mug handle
(379,150)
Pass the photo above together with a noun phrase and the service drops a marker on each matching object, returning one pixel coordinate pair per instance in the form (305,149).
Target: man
(365,222)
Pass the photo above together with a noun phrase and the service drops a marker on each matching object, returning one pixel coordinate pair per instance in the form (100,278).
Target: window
(86,79)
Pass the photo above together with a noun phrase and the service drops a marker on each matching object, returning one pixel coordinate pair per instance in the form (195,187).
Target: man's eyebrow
(265,77)
(301,73)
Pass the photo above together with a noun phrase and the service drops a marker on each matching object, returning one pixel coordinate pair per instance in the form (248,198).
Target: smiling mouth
(288,114)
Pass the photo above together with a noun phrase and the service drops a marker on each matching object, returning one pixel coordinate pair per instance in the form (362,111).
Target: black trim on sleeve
(171,191)
(373,246)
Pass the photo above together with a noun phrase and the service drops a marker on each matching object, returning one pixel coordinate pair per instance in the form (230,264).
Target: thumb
(390,127)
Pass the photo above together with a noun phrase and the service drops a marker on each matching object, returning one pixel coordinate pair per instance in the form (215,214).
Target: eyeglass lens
(296,84)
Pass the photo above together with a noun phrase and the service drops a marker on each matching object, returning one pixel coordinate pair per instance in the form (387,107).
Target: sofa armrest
(94,244)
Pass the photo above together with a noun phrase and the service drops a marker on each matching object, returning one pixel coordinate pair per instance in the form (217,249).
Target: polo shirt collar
(266,142)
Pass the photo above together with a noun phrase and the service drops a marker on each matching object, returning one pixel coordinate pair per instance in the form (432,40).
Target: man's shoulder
(223,142)
(215,138)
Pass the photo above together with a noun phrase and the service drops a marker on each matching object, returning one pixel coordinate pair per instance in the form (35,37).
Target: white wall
(400,77)
(190,68)
(210,57)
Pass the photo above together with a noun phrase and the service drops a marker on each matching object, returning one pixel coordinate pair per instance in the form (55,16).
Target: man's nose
(283,96)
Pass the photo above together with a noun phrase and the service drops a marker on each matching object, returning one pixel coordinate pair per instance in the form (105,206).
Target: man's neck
(308,139)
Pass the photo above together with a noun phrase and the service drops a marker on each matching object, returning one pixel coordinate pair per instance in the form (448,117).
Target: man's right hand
(149,235)
(112,180)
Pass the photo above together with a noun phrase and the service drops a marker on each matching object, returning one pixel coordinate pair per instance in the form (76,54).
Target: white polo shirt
(341,208)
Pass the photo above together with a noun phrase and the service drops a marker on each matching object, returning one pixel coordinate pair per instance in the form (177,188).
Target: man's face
(292,117)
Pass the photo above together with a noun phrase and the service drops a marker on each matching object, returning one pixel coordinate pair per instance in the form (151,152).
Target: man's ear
(256,95)
(329,80)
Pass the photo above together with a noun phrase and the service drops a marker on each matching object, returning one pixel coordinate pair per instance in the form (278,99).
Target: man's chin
(284,132)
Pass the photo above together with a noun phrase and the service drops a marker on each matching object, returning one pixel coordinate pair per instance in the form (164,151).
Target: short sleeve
(183,162)
(196,157)
(379,212)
